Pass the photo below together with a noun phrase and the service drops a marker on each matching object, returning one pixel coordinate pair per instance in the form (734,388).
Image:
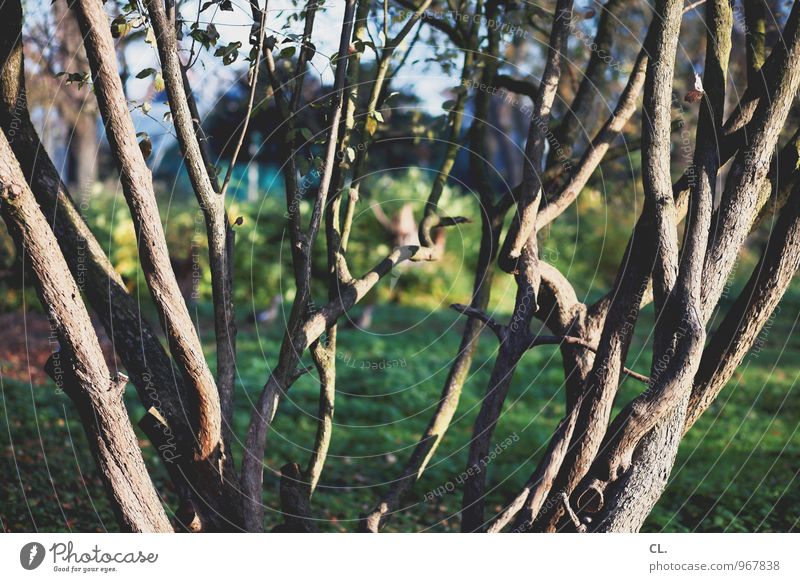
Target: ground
(737,469)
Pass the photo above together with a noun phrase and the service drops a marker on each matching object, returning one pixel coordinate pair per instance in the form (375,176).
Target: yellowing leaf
(371,125)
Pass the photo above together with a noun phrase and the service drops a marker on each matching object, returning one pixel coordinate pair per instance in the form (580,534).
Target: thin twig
(499,329)
(250,101)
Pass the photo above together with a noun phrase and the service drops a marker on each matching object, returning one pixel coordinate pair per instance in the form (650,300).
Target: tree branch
(211,204)
(137,185)
(524,222)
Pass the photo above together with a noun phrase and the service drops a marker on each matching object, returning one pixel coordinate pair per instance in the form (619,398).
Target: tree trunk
(79,368)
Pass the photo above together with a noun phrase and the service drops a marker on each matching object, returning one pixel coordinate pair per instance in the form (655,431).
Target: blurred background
(738,467)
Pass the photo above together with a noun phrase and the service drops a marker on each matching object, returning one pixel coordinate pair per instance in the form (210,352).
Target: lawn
(737,469)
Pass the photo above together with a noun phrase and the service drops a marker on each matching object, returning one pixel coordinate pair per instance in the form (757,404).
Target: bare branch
(556,204)
(250,99)
(324,360)
(578,113)
(740,199)
(524,222)
(296,339)
(602,382)
(137,185)
(521,86)
(541,481)
(499,330)
(752,310)
(211,203)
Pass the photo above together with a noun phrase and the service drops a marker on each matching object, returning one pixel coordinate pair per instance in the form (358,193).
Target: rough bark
(157,382)
(629,503)
(79,367)
(632,280)
(530,195)
(295,340)
(739,203)
(211,203)
(137,185)
(751,312)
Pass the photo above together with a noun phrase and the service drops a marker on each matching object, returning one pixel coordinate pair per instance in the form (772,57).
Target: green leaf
(144,73)
(80,79)
(205,36)
(229,53)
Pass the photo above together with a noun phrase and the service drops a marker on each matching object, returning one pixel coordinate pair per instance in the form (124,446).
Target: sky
(209,78)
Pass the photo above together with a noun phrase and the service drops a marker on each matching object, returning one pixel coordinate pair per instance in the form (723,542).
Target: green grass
(737,469)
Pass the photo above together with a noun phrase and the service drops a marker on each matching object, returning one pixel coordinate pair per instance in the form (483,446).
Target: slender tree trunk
(158,383)
(137,185)
(79,368)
